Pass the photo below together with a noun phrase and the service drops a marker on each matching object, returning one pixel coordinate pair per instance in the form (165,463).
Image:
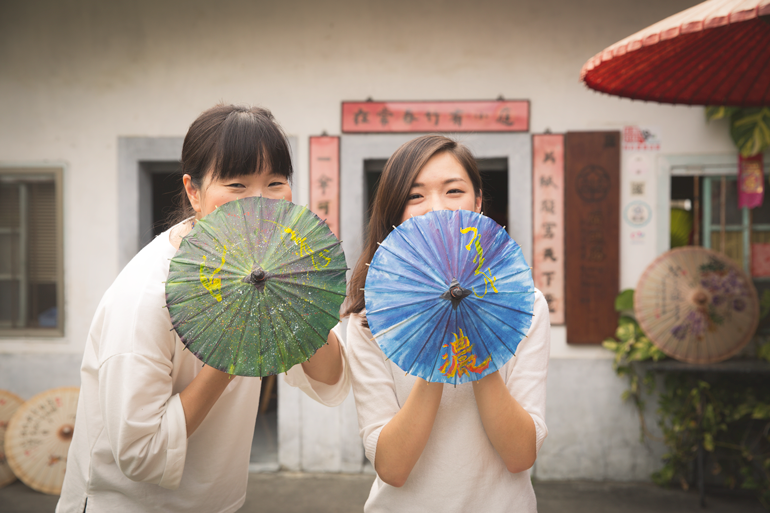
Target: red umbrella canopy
(716,53)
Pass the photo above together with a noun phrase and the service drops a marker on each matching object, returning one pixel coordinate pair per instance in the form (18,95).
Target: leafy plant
(632,345)
(728,417)
(749,127)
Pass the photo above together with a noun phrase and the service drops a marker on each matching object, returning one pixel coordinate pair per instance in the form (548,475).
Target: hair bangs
(249,144)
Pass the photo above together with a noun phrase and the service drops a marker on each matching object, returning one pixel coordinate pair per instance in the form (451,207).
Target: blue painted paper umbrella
(449,296)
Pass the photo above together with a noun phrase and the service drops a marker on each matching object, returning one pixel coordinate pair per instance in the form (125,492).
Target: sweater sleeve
(142,413)
(373,386)
(145,423)
(328,395)
(526,379)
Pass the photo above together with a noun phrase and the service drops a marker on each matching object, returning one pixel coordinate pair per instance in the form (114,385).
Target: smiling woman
(143,396)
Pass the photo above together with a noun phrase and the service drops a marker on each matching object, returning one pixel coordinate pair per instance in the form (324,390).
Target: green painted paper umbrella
(256,286)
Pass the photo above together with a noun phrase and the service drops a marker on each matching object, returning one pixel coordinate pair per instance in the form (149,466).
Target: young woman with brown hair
(156,431)
(436,447)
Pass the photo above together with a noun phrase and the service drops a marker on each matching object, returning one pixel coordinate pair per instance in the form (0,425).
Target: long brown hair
(393,190)
(228,141)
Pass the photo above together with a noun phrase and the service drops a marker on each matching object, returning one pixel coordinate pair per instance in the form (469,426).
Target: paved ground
(286,492)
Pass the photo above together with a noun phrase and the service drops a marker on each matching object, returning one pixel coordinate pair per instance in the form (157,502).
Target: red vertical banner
(325,180)
(548,220)
(751,181)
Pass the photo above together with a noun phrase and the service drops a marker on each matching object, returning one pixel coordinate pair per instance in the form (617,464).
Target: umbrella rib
(202,293)
(431,245)
(512,327)
(391,272)
(399,324)
(513,351)
(416,251)
(394,307)
(222,335)
(438,353)
(310,255)
(204,310)
(278,345)
(435,326)
(298,296)
(469,320)
(406,261)
(296,340)
(243,335)
(508,307)
(312,287)
(325,270)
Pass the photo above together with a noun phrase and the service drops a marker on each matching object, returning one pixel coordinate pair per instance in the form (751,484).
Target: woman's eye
(455,191)
(276,184)
(413,196)
(235,185)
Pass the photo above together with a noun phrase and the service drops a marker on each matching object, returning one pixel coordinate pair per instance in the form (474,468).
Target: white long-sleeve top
(130,451)
(459,469)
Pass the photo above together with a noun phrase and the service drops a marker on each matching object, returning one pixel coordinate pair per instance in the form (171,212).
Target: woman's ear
(193,193)
(478,202)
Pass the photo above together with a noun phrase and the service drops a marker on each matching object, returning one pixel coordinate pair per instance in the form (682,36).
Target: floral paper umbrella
(256,286)
(449,296)
(696,305)
(9,403)
(39,436)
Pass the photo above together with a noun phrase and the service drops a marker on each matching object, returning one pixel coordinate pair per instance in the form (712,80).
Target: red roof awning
(716,53)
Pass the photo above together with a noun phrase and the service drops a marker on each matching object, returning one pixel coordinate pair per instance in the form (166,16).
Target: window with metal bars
(31,252)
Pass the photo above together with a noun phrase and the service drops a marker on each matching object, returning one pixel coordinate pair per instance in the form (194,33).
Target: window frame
(57,171)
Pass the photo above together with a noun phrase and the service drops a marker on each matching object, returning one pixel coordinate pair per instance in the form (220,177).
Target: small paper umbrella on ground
(256,286)
(9,403)
(696,305)
(39,436)
(449,296)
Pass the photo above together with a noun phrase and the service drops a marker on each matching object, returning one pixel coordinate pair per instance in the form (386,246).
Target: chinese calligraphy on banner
(468,116)
(548,220)
(325,180)
(591,235)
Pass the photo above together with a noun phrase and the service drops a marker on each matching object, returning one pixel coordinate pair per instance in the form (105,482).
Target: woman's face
(442,184)
(215,193)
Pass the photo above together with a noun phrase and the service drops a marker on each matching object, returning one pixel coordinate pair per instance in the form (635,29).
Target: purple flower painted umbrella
(256,286)
(449,296)
(696,305)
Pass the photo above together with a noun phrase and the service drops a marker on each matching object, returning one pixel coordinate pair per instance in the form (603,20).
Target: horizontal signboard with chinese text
(439,116)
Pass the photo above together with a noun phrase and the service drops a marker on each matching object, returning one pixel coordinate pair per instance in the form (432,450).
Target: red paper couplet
(548,220)
(325,180)
(467,116)
(592,229)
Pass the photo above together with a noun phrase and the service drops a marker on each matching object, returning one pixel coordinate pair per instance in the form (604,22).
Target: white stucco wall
(77,75)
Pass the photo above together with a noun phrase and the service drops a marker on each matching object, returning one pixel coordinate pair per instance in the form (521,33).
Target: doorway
(494,186)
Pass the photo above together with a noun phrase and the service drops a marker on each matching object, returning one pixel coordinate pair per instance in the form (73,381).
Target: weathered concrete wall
(76,75)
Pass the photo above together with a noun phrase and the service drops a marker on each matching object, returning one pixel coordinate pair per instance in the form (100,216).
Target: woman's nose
(435,203)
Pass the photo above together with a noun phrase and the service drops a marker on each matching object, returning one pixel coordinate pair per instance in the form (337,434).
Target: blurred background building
(95,98)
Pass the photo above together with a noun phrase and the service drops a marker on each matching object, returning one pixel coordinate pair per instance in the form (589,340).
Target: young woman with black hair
(155,430)
(437,447)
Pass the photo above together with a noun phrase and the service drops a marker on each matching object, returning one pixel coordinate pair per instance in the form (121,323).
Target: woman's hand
(509,427)
(403,439)
(201,394)
(326,364)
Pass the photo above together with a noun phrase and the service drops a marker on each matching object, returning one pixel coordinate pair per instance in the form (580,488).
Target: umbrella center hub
(257,278)
(701,298)
(456,293)
(65,432)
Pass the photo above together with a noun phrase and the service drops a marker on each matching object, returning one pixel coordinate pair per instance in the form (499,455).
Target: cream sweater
(459,470)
